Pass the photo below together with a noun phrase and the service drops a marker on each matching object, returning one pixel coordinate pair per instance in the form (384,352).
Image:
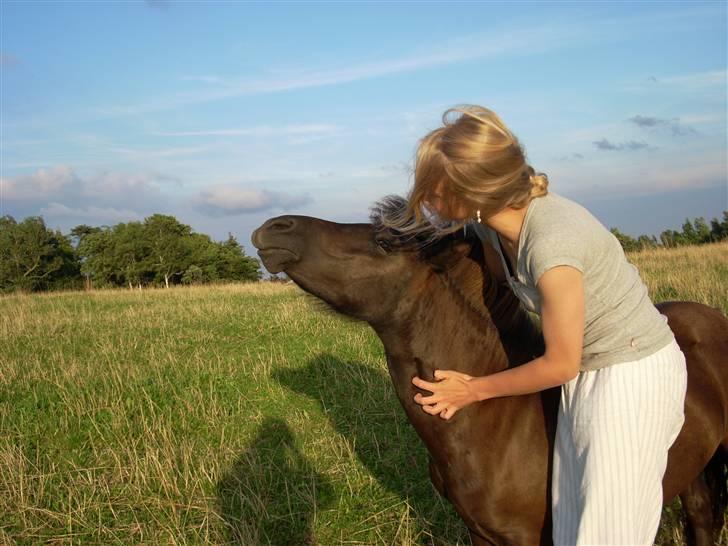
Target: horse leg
(696,502)
(439,483)
(437,479)
(715,478)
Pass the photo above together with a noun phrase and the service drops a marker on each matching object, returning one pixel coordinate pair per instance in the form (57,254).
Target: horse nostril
(282,224)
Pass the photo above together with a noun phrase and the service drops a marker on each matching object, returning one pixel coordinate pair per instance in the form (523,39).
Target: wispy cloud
(258,131)
(160,152)
(699,79)
(695,81)
(717,117)
(468,48)
(213,80)
(674,125)
(571,157)
(664,171)
(631,145)
(231,200)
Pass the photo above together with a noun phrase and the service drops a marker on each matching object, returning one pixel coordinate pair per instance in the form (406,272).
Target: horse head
(365,271)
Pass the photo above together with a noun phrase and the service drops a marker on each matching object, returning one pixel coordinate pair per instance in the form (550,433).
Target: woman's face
(456,211)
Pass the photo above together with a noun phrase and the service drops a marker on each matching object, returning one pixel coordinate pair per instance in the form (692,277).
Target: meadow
(237,414)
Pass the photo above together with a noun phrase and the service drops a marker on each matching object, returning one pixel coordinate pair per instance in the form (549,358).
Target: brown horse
(437,305)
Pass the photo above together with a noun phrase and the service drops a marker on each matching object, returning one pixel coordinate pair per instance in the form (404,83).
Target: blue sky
(227,113)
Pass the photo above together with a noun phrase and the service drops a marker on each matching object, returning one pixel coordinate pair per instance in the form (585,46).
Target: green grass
(230,414)
(234,414)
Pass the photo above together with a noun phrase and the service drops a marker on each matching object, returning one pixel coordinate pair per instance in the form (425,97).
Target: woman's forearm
(537,375)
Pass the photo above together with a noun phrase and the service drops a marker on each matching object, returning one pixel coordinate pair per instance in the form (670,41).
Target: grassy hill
(233,414)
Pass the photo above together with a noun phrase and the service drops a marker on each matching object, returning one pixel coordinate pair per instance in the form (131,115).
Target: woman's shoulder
(556,204)
(561,231)
(556,216)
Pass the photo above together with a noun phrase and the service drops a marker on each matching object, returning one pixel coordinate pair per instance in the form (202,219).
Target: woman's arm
(562,320)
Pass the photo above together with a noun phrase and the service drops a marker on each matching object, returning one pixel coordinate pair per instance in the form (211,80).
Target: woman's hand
(452,392)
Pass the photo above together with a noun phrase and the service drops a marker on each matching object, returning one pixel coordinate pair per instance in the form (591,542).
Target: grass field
(233,414)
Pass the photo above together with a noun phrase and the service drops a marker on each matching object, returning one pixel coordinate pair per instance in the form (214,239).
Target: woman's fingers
(441,374)
(445,374)
(435,409)
(443,410)
(441,402)
(448,412)
(432,399)
(422,384)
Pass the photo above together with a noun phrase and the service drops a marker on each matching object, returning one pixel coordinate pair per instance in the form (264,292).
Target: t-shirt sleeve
(549,252)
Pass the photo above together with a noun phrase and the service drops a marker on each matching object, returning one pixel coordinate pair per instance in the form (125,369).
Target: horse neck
(441,330)
(463,320)
(483,316)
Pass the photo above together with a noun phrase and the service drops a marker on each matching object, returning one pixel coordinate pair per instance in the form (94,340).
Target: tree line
(695,232)
(160,251)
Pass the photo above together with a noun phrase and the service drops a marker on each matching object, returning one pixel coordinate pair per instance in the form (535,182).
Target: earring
(477,215)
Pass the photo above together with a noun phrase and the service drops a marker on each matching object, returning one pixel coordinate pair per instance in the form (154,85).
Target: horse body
(494,473)
(443,309)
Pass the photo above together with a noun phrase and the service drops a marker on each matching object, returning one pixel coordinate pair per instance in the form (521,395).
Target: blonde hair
(473,160)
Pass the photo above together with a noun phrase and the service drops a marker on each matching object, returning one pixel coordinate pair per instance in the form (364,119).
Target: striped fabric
(615,426)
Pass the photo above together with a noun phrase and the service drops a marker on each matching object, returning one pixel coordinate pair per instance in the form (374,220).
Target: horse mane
(390,210)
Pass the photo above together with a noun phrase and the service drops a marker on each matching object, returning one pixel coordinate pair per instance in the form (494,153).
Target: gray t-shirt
(621,323)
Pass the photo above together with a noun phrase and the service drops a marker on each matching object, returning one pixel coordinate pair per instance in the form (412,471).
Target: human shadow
(362,406)
(271,493)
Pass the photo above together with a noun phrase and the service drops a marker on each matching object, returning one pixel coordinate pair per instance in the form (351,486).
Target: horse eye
(383,244)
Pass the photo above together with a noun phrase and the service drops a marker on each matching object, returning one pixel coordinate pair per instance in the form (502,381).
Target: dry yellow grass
(693,273)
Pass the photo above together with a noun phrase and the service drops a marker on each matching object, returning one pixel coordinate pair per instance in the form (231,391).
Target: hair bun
(539,183)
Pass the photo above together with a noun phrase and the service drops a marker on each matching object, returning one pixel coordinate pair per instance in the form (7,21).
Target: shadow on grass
(361,404)
(271,493)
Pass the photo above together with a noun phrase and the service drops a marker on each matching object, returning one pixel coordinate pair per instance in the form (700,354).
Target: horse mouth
(276,260)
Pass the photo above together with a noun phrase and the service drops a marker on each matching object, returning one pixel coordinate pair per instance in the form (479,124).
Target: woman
(622,373)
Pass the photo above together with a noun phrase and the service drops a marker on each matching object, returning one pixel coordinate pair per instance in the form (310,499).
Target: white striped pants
(615,426)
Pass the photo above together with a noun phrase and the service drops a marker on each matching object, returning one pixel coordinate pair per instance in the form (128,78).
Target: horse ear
(444,258)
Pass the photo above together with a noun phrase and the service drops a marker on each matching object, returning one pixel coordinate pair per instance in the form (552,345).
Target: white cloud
(231,200)
(40,184)
(61,186)
(106,215)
